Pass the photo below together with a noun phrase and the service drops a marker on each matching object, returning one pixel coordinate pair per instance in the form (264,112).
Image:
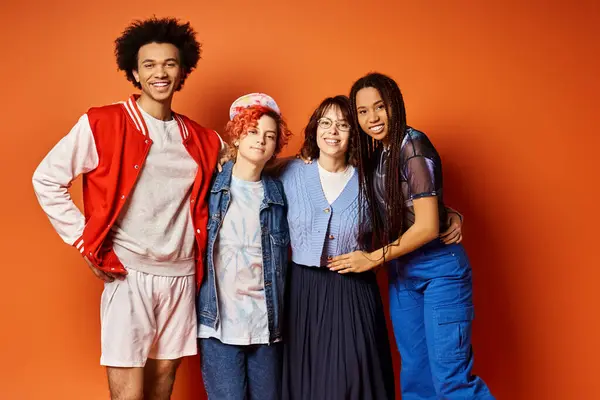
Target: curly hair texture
(310,149)
(157,30)
(248,118)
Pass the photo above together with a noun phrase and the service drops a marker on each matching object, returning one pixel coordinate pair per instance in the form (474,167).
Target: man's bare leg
(126,383)
(159,377)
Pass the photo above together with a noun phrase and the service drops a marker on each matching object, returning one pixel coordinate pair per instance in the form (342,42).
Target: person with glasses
(335,336)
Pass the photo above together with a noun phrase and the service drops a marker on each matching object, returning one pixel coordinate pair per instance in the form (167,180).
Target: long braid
(387,228)
(367,212)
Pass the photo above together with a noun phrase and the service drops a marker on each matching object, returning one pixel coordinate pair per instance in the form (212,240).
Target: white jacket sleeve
(73,155)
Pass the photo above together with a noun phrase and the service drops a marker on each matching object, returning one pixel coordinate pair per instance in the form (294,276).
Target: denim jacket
(275,239)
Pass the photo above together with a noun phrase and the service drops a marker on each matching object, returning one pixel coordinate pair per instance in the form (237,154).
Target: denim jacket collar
(273,194)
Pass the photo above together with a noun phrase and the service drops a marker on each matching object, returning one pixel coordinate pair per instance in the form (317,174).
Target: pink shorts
(147,316)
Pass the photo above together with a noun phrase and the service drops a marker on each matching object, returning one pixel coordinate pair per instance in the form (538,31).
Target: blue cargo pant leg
(407,315)
(449,312)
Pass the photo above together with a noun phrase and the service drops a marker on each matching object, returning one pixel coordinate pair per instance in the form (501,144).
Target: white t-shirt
(154,232)
(333,183)
(239,270)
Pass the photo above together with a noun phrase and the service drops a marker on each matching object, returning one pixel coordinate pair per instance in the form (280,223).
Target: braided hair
(384,228)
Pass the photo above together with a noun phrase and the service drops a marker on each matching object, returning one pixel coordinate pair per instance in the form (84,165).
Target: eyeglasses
(326,123)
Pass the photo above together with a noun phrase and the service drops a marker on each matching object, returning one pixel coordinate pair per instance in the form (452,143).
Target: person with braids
(146,172)
(430,285)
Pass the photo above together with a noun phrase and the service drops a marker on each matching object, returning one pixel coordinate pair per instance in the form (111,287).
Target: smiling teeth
(377,128)
(330,141)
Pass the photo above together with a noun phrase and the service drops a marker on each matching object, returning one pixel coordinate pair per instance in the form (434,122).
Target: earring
(236,144)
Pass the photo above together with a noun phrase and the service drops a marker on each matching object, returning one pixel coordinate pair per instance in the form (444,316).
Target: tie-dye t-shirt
(239,270)
(420,176)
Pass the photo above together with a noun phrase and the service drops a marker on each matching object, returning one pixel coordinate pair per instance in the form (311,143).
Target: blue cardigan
(319,230)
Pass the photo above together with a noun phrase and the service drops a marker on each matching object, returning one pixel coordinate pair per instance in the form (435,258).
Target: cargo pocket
(452,326)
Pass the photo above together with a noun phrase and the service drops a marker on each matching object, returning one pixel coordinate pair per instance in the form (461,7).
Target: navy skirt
(335,337)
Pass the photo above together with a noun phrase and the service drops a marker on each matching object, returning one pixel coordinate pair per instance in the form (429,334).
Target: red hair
(248,118)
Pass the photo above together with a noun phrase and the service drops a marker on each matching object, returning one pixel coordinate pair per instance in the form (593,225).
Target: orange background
(508,93)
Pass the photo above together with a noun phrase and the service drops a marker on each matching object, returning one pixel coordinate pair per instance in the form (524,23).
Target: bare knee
(125,383)
(165,368)
(159,378)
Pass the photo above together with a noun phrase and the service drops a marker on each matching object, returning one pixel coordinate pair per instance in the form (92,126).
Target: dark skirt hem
(336,343)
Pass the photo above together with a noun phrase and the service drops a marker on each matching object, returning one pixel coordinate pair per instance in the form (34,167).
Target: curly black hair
(157,30)
(310,149)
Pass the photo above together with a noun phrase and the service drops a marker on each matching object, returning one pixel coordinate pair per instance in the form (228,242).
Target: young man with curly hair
(146,173)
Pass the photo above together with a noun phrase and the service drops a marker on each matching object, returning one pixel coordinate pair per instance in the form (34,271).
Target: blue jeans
(431,308)
(241,372)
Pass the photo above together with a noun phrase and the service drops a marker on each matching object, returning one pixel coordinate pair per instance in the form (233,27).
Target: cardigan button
(327,210)
(198,231)
(136,166)
(331,237)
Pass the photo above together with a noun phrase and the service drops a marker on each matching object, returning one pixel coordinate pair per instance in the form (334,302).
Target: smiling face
(372,113)
(158,71)
(333,133)
(258,144)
